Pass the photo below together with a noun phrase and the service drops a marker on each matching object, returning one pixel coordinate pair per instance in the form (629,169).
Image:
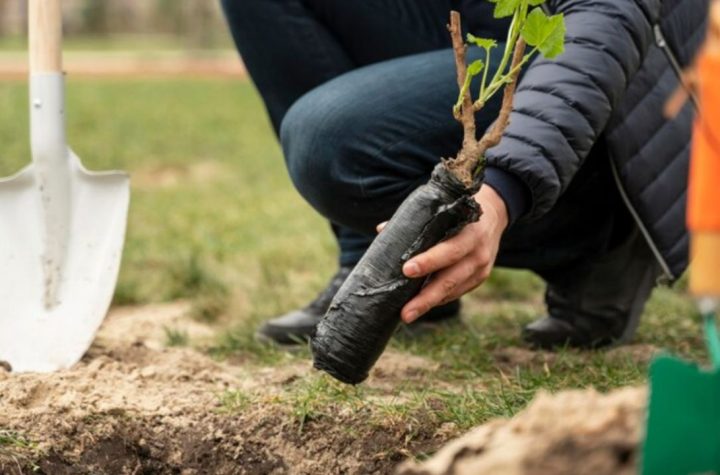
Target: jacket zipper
(668,275)
(662,43)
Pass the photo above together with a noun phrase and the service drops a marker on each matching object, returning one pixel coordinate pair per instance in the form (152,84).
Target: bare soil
(13,66)
(135,406)
(173,176)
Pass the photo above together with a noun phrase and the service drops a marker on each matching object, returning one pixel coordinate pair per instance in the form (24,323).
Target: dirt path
(119,64)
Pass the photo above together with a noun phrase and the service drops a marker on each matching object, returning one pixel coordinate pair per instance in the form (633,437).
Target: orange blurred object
(704,191)
(704,194)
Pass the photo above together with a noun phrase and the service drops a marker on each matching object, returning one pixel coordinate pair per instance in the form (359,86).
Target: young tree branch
(493,136)
(464,115)
(473,151)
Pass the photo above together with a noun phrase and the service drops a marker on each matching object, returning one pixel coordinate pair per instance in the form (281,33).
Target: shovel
(683,426)
(62,227)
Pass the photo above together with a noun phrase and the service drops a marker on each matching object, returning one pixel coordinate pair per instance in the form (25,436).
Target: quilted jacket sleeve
(563,105)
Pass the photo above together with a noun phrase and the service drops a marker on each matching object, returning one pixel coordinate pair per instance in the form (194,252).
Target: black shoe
(436,318)
(298,326)
(602,305)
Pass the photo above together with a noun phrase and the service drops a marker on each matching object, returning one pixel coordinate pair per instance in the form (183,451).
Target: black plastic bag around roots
(366,310)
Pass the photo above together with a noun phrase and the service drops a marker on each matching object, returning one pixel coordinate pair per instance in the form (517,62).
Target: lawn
(215,220)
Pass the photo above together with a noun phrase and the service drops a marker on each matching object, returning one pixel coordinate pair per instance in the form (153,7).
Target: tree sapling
(366,310)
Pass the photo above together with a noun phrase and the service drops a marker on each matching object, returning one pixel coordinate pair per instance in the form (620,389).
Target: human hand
(460,263)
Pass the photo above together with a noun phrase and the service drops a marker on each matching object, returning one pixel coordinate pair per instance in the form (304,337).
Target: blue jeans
(360,94)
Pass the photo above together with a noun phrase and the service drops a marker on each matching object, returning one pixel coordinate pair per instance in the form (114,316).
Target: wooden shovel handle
(45,30)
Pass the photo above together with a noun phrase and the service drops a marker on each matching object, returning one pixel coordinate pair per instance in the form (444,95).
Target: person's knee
(312,137)
(346,157)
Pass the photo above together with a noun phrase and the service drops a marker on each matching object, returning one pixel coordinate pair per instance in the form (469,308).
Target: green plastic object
(683,426)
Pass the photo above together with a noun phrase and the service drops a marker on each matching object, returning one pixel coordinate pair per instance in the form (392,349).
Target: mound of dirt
(572,432)
(134,406)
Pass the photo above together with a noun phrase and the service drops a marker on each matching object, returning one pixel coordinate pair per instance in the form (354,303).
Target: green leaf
(481,42)
(545,33)
(475,67)
(505,8)
(535,3)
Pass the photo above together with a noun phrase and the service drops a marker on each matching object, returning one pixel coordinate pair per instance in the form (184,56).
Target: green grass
(235,400)
(215,219)
(17,450)
(13,439)
(175,337)
(242,228)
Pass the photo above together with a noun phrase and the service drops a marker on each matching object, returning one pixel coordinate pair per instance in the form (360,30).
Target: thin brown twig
(689,82)
(463,166)
(677,100)
(465,115)
(713,37)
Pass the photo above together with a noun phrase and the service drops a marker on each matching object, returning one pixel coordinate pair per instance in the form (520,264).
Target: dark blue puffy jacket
(610,85)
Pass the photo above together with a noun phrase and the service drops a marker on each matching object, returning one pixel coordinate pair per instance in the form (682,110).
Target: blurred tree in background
(196,23)
(95,17)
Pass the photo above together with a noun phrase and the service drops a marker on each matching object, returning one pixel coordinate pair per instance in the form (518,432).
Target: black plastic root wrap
(366,310)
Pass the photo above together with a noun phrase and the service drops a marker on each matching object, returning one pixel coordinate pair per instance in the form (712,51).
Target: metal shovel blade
(36,335)
(62,227)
